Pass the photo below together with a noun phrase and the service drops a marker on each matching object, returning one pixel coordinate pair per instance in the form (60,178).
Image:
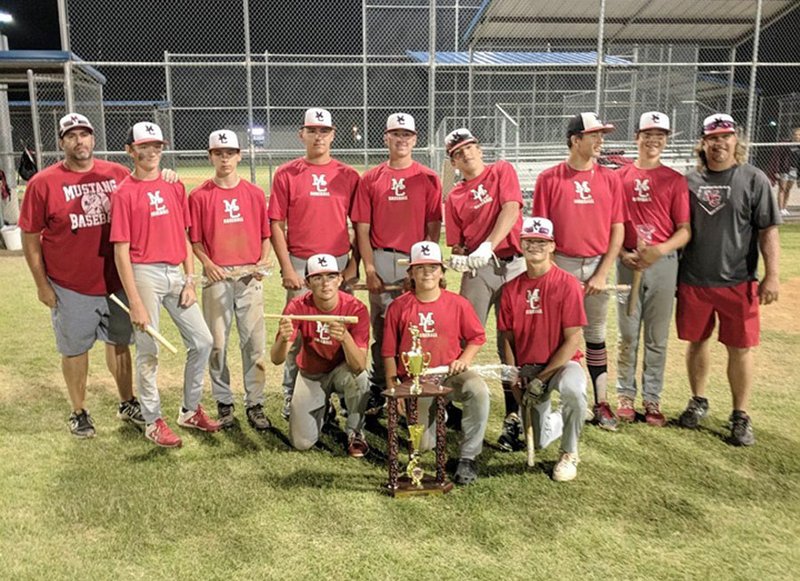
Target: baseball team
(93,229)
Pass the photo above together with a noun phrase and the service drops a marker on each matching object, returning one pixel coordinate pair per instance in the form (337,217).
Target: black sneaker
(81,425)
(467,472)
(257,419)
(695,411)
(225,415)
(741,429)
(287,407)
(131,411)
(509,440)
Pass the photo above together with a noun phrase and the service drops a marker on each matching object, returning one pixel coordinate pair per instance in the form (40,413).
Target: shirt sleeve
(452,229)
(508,183)
(618,208)
(680,202)
(433,207)
(183,200)
(765,205)
(471,329)
(279,196)
(195,212)
(33,212)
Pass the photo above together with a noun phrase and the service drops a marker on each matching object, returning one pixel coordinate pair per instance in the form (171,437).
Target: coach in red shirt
(229,231)
(450,331)
(65,219)
(309,205)
(541,316)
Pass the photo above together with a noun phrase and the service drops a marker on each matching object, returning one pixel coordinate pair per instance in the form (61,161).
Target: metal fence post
(751,106)
(599,83)
(37,135)
(431,81)
(249,81)
(63,28)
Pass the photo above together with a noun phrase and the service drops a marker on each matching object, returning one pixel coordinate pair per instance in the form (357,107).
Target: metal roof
(516,58)
(15,63)
(721,22)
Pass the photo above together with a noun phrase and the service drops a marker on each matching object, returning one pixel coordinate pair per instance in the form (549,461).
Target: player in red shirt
(450,330)
(230,230)
(65,219)
(483,222)
(587,196)
(309,204)
(657,200)
(332,356)
(541,316)
(149,218)
(397,203)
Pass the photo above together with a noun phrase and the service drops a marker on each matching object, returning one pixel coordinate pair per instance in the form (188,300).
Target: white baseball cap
(318,118)
(654,120)
(144,132)
(457,139)
(536,227)
(223,139)
(72,121)
(425,252)
(587,123)
(398,121)
(321,264)
(718,123)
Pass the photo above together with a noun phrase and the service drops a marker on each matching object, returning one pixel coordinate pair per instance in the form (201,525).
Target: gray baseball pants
(596,306)
(243,299)
(567,421)
(391,273)
(654,313)
(310,400)
(470,390)
(161,284)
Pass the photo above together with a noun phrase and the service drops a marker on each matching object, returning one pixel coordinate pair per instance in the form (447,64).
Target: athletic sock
(597,363)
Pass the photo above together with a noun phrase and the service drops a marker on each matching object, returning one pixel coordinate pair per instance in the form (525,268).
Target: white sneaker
(784,212)
(567,467)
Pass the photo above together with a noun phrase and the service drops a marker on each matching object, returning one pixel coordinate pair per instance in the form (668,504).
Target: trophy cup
(415,360)
(414,470)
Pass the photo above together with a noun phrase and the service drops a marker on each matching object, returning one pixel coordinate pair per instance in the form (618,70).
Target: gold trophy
(415,360)
(414,470)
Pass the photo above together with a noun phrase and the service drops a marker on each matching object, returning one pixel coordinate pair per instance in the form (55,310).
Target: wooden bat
(240,272)
(352,319)
(528,422)
(634,289)
(614,288)
(149,329)
(362,286)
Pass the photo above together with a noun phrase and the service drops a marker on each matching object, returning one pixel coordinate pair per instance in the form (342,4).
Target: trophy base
(429,487)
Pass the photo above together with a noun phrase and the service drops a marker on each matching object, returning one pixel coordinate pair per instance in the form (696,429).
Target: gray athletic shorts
(79,320)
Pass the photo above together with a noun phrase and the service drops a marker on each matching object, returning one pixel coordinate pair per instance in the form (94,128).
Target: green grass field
(648,503)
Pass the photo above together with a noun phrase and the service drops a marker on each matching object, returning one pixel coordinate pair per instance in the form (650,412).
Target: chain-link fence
(512,71)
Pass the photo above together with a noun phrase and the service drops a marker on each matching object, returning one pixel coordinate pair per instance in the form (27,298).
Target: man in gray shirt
(734,214)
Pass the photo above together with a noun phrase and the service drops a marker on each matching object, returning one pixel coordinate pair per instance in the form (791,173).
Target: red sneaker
(653,415)
(625,409)
(159,433)
(198,420)
(604,417)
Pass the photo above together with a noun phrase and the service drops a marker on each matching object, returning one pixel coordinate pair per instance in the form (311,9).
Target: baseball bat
(633,297)
(149,329)
(240,272)
(531,452)
(351,319)
(362,286)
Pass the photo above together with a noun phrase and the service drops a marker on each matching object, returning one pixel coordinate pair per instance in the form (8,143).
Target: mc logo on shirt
(534,305)
(481,197)
(232,210)
(320,185)
(584,192)
(399,189)
(427,325)
(642,189)
(323,333)
(157,203)
(713,198)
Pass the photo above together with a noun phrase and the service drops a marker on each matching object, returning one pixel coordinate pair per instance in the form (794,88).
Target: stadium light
(6,18)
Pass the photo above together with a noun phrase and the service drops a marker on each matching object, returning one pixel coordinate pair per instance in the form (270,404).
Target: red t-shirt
(473,206)
(443,324)
(153,216)
(314,201)
(72,211)
(657,196)
(582,205)
(397,204)
(319,353)
(537,310)
(230,223)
